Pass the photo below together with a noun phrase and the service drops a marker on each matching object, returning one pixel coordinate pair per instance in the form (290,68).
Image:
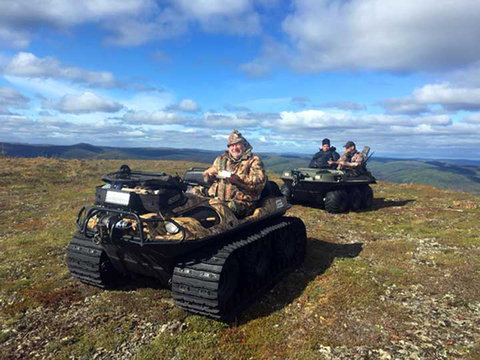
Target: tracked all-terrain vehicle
(154,224)
(335,190)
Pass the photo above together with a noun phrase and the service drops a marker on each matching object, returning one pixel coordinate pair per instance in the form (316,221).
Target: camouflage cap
(349,144)
(235,138)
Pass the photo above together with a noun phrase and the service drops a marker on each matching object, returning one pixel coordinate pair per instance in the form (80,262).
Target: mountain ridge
(451,174)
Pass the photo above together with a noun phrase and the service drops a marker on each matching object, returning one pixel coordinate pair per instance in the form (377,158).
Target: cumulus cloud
(449,97)
(404,106)
(20,20)
(130,22)
(233,16)
(9,97)
(84,104)
(383,35)
(28,65)
(185,105)
(230,121)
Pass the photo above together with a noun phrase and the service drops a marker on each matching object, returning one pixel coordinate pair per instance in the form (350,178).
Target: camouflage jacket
(251,171)
(355,160)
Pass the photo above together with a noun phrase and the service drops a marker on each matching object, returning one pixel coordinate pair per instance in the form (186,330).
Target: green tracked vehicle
(336,190)
(333,189)
(162,226)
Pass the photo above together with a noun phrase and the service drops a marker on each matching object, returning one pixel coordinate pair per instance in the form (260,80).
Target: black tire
(90,264)
(355,198)
(284,247)
(289,247)
(300,236)
(286,191)
(228,281)
(336,201)
(367,197)
(257,262)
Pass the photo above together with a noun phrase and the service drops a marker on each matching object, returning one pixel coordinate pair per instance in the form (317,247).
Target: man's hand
(330,162)
(341,162)
(234,178)
(211,172)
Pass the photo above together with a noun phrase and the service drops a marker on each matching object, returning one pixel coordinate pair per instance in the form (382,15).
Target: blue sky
(401,77)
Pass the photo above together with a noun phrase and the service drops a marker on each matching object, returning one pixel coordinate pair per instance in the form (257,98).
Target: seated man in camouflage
(326,157)
(351,161)
(237,176)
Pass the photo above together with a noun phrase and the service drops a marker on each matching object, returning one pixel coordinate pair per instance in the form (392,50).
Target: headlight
(171,228)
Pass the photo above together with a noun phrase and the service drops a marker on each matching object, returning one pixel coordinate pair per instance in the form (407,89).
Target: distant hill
(459,175)
(444,174)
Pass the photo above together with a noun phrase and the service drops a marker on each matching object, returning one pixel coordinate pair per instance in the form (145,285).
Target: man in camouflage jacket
(243,187)
(351,160)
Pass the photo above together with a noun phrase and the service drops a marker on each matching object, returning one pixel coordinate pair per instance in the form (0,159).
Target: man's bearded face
(236,150)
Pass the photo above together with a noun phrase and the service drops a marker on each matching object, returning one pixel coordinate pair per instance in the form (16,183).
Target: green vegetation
(398,281)
(445,174)
(440,174)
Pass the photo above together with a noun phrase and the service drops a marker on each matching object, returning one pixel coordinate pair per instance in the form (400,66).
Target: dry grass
(402,277)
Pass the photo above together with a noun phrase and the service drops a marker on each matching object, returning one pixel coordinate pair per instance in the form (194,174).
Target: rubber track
(84,261)
(195,283)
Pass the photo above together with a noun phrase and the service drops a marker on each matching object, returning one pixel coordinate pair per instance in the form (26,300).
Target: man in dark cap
(326,157)
(237,176)
(351,160)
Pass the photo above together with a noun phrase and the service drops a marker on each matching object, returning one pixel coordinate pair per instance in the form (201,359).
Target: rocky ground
(398,282)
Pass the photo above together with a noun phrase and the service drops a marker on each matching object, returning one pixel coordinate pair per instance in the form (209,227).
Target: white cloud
(404,106)
(11,38)
(9,97)
(231,16)
(85,103)
(28,65)
(129,22)
(386,35)
(231,121)
(21,18)
(449,97)
(186,105)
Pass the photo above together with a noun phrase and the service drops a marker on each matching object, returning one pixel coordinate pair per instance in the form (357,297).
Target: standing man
(351,160)
(237,176)
(326,157)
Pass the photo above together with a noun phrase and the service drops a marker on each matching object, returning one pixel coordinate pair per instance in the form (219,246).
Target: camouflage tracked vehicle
(152,224)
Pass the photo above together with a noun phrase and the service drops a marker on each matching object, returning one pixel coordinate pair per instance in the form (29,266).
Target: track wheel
(108,274)
(289,245)
(336,201)
(228,281)
(284,247)
(258,258)
(299,237)
(367,197)
(355,198)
